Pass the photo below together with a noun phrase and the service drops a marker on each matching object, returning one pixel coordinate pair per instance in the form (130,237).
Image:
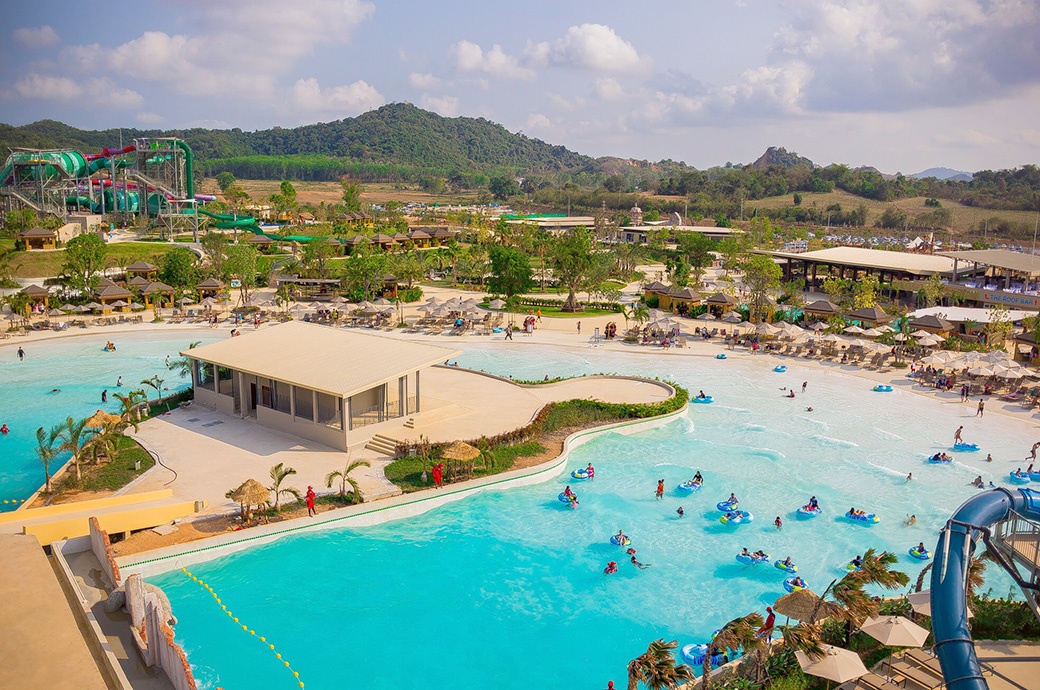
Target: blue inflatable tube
(721,355)
(580,474)
(706,400)
(779,565)
(1019,478)
(939,461)
(919,555)
(751,560)
(625,541)
(807,512)
(953,643)
(693,654)
(869,518)
(735,517)
(966,447)
(883,388)
(780,368)
(689,487)
(726,506)
(791,587)
(564,498)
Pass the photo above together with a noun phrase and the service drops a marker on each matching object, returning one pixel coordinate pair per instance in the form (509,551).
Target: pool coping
(170,558)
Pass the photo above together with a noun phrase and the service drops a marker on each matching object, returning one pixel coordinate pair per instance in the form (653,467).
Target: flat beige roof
(1001,258)
(918,264)
(329,360)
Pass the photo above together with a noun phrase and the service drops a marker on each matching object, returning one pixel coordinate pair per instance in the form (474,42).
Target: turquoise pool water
(506,590)
(81,370)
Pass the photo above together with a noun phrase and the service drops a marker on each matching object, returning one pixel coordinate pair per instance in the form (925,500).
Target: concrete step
(382,444)
(410,424)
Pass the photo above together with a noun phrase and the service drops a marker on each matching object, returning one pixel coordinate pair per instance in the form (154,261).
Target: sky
(901,85)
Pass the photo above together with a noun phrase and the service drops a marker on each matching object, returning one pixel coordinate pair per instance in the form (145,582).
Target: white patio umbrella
(854,329)
(873,332)
(137,306)
(433,301)
(920,333)
(929,341)
(497,304)
(980,370)
(366,307)
(885,328)
(836,664)
(185,300)
(339,299)
(832,338)
(382,302)
(895,631)
(732,317)
(922,603)
(1011,374)
(900,337)
(706,316)
(767,329)
(818,326)
(934,360)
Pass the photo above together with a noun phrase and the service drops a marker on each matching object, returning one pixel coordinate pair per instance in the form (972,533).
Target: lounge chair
(903,670)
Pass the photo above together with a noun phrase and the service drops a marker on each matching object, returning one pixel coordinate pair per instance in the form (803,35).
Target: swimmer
(55,390)
(989,457)
(567,492)
(660,489)
(813,503)
(641,566)
(797,582)
(591,471)
(104,395)
(119,382)
(744,552)
(808,409)
(920,547)
(778,522)
(732,499)
(4,430)
(957,436)
(787,562)
(804,384)
(910,477)
(680,511)
(910,520)
(857,561)
(759,554)
(611,568)
(620,536)
(697,478)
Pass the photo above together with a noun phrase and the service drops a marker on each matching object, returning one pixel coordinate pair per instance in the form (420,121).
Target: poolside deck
(41,643)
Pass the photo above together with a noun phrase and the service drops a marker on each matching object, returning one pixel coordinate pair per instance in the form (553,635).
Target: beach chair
(903,670)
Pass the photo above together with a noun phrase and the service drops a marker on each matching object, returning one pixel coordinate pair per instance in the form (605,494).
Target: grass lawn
(331,192)
(964,217)
(113,474)
(407,472)
(47,264)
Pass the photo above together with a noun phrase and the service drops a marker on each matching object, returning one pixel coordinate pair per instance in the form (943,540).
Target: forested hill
(399,134)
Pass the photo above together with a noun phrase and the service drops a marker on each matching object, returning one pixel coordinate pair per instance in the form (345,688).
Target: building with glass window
(313,381)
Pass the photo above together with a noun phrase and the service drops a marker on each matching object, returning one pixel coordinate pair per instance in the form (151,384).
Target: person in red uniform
(770,621)
(310,501)
(438,474)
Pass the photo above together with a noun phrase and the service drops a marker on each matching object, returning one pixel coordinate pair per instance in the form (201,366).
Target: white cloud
(49,88)
(470,57)
(149,118)
(339,101)
(423,81)
(38,37)
(596,47)
(446,106)
(608,89)
(240,47)
(537,121)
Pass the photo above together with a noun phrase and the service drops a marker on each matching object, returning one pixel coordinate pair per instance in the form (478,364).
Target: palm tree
(849,592)
(182,365)
(738,634)
(73,439)
(46,450)
(156,383)
(345,478)
(278,475)
(131,404)
(637,312)
(656,668)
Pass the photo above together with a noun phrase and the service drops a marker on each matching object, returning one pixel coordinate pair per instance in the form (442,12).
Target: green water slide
(226,221)
(49,165)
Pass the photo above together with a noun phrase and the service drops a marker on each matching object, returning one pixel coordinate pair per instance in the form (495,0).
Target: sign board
(236,283)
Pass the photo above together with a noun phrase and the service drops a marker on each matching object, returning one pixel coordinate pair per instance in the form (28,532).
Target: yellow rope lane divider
(15,501)
(245,628)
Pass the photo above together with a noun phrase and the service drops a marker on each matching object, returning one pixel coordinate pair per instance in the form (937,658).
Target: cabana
(282,378)
(261,242)
(143,269)
(870,316)
(384,242)
(720,303)
(210,287)
(157,294)
(107,296)
(821,310)
(37,294)
(419,237)
(681,299)
(932,324)
(39,238)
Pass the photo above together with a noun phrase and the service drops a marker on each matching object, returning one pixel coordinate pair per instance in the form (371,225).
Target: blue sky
(901,85)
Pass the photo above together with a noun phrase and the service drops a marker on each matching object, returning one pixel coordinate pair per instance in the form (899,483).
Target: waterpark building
(316,382)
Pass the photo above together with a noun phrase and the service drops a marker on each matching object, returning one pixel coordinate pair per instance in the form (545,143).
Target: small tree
(46,451)
(278,475)
(510,271)
(131,406)
(73,439)
(84,261)
(156,384)
(345,478)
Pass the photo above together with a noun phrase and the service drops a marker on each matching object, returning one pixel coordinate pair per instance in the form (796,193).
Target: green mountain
(398,134)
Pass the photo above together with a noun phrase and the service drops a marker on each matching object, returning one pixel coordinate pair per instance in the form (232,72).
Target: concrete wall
(154,637)
(334,438)
(102,548)
(123,521)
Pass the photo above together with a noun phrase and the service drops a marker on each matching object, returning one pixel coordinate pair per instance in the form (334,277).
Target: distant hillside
(780,156)
(944,174)
(398,134)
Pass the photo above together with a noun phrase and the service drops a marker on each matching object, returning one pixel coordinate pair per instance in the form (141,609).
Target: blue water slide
(975,517)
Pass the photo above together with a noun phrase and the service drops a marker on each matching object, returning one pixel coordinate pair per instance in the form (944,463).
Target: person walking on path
(957,435)
(310,502)
(579,327)
(509,333)
(980,410)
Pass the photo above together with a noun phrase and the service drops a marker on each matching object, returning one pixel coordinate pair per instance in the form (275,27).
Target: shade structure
(251,493)
(68,307)
(818,326)
(922,603)
(55,312)
(208,302)
(497,304)
(185,300)
(433,301)
(980,371)
(120,303)
(137,306)
(83,309)
(900,337)
(873,332)
(801,604)
(920,334)
(706,316)
(382,302)
(102,418)
(339,299)
(460,451)
(732,317)
(836,664)
(367,307)
(895,631)
(767,329)
(855,329)
(832,338)
(95,305)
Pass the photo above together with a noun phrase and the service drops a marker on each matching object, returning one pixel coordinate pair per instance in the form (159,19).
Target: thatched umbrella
(459,452)
(801,604)
(101,419)
(250,493)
